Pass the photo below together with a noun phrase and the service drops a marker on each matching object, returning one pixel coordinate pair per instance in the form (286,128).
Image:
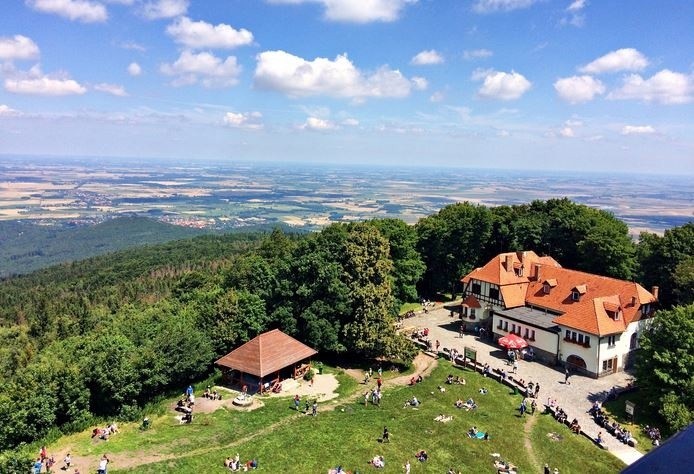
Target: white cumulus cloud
(637,130)
(79,10)
(358,11)
(206,68)
(200,34)
(577,5)
(298,77)
(501,85)
(576,89)
(35,82)
(567,132)
(315,123)
(477,54)
(490,6)
(158,9)
(18,47)
(437,96)
(134,69)
(7,111)
(113,89)
(425,58)
(246,120)
(665,87)
(625,59)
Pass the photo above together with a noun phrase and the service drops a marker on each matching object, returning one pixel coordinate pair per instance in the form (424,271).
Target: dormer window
(548,285)
(545,288)
(578,291)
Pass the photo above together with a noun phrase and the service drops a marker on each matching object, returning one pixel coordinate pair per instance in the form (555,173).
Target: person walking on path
(379,382)
(567,374)
(438,344)
(386,435)
(515,366)
(537,389)
(314,408)
(522,408)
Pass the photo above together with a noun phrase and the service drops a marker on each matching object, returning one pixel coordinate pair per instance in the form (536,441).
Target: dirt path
(423,364)
(527,429)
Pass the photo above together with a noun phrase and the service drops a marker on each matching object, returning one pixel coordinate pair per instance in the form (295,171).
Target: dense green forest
(103,336)
(26,246)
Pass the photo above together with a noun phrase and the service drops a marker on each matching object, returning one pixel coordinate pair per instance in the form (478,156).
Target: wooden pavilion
(261,363)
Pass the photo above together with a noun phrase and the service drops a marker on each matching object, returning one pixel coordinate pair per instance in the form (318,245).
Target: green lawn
(643,416)
(347,433)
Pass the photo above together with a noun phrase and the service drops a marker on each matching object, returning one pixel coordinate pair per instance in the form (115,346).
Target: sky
(586,85)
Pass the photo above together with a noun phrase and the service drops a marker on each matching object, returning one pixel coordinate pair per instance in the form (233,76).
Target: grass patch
(567,451)
(409,307)
(644,415)
(284,441)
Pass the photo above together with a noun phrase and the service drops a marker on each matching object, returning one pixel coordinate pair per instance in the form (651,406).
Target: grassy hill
(26,246)
(347,433)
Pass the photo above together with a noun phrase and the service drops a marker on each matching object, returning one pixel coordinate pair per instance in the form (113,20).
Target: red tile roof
(597,310)
(266,354)
(471,302)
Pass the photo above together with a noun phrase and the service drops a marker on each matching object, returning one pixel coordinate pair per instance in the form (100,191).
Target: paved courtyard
(575,398)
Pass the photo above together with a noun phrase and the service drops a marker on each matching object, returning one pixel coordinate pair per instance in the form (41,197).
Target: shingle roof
(471,302)
(588,314)
(597,310)
(496,271)
(266,354)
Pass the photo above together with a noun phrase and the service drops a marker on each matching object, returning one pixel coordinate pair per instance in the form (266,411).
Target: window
(519,271)
(505,325)
(501,324)
(494,293)
(607,364)
(575,295)
(532,335)
(545,288)
(645,309)
(527,333)
(634,342)
(611,341)
(476,288)
(513,328)
(568,335)
(573,336)
(472,313)
(586,341)
(580,338)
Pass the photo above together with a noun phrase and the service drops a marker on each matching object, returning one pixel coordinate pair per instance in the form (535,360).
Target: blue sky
(600,85)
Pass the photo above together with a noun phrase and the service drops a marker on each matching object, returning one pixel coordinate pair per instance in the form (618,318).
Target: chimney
(654,291)
(536,272)
(633,300)
(509,263)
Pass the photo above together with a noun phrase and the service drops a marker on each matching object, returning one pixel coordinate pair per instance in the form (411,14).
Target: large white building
(586,321)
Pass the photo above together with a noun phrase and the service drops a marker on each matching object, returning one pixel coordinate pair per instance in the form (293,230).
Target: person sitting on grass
(459,403)
(472,432)
(250,464)
(441,389)
(443,418)
(574,426)
(459,381)
(449,379)
(378,462)
(483,391)
(422,456)
(413,403)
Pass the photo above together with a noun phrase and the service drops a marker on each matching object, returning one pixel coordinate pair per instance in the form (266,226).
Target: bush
(308,376)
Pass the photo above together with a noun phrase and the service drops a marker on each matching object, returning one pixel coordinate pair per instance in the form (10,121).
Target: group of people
(653,434)
(467,405)
(455,381)
(105,433)
(234,463)
(211,394)
(313,408)
(614,428)
(44,459)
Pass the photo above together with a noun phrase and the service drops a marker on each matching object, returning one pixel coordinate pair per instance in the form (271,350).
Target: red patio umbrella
(512,341)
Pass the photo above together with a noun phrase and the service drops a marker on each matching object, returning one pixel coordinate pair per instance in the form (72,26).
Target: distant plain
(229,195)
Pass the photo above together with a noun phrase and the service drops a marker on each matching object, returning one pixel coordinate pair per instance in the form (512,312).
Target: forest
(102,337)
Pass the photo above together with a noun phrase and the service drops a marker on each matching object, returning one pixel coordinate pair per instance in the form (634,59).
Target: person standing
(537,389)
(438,344)
(314,408)
(522,408)
(67,461)
(566,376)
(103,465)
(297,402)
(386,435)
(515,366)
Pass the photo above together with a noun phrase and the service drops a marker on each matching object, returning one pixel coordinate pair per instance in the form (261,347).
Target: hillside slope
(26,246)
